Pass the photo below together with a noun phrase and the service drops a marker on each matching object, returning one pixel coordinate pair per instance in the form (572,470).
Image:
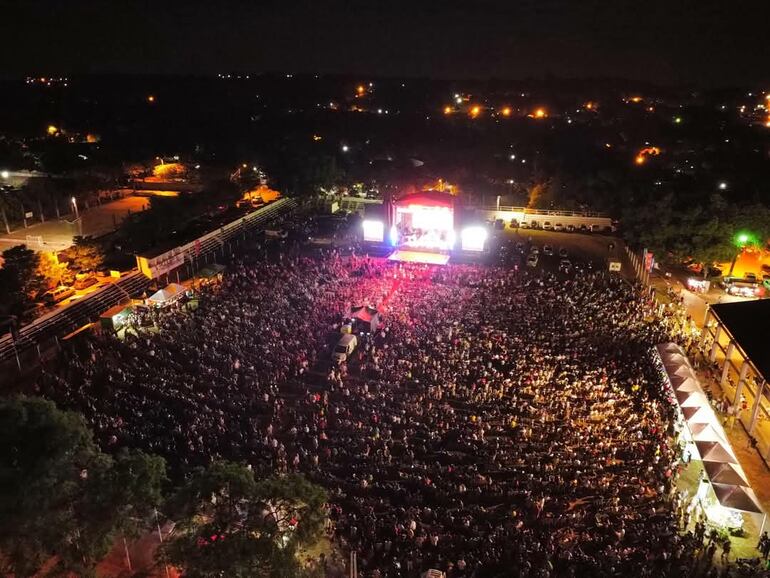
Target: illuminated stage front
(424,221)
(423,228)
(419,257)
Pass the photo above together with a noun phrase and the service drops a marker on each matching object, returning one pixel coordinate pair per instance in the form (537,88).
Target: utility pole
(5,220)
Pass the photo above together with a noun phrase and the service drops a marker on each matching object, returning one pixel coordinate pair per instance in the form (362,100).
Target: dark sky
(707,42)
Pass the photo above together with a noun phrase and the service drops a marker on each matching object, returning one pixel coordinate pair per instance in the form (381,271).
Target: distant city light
(151,98)
(5,174)
(52,130)
(678,119)
(458,99)
(636,99)
(345,148)
(722,186)
(639,160)
(475,111)
(360,89)
(447,109)
(513,157)
(506,111)
(540,113)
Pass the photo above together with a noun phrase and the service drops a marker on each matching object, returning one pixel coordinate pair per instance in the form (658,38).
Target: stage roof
(428,199)
(749,323)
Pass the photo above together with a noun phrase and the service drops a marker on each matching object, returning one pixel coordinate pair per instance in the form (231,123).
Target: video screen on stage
(425,227)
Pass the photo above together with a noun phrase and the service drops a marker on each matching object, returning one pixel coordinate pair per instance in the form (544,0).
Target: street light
(5,174)
(75,206)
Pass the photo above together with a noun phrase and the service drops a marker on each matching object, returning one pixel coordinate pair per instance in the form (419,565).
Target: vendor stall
(169,294)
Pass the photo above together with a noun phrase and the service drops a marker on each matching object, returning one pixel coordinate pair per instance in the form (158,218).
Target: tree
(60,496)
(85,254)
(231,525)
(49,270)
(19,279)
(543,194)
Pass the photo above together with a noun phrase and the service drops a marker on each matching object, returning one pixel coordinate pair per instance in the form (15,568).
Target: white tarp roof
(170,291)
(727,478)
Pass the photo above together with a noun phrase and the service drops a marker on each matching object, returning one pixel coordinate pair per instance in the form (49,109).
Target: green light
(678,119)
(743,238)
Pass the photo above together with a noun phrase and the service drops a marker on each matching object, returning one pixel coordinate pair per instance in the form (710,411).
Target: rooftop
(749,324)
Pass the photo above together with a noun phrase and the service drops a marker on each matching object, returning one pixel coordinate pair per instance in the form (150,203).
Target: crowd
(498,423)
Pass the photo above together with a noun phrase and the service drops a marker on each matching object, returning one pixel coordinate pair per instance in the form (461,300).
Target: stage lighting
(473,238)
(374,231)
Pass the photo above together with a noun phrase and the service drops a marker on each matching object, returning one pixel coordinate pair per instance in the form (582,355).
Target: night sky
(706,42)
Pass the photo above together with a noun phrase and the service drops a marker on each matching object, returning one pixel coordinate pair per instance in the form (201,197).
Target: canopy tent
(168,294)
(737,498)
(366,316)
(704,432)
(689,384)
(674,360)
(732,474)
(691,399)
(715,452)
(683,371)
(731,490)
(701,414)
(668,348)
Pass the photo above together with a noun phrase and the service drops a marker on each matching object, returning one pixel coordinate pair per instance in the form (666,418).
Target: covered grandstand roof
(749,323)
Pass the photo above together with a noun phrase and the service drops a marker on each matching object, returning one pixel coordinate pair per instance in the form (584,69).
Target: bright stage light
(473,238)
(374,231)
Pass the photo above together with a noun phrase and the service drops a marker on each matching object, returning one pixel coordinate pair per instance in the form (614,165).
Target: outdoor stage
(419,257)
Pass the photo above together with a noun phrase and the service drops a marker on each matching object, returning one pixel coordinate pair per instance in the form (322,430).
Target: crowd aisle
(498,423)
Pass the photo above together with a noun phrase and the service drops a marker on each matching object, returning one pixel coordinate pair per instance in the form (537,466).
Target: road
(55,235)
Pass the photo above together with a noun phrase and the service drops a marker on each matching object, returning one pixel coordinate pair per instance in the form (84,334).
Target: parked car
(85,282)
(532,260)
(58,295)
(558,227)
(750,277)
(345,346)
(570,228)
(547,226)
(522,225)
(547,250)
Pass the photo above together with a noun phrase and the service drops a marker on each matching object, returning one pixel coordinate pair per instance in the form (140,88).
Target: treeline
(64,503)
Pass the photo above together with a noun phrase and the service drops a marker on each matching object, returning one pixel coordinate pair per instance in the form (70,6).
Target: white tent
(716,452)
(168,294)
(727,479)
(704,432)
(732,474)
(691,399)
(737,498)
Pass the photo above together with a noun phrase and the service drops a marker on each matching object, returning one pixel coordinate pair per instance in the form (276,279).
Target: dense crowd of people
(497,423)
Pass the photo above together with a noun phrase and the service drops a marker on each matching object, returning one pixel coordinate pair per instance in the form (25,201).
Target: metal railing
(68,318)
